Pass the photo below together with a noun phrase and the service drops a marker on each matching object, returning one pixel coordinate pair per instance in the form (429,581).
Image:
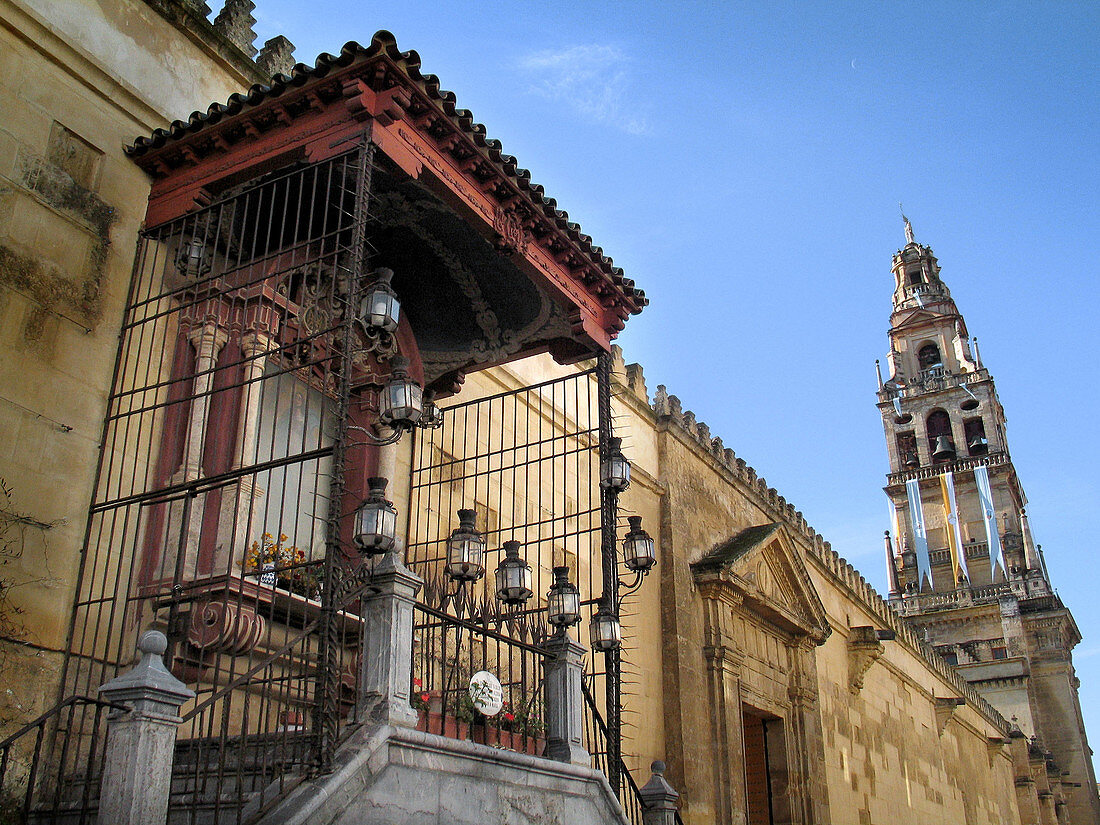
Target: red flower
(417,683)
(509,717)
(425,697)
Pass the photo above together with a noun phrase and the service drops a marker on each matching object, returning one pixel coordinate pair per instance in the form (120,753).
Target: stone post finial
(658,797)
(276,56)
(137,768)
(235,21)
(564,700)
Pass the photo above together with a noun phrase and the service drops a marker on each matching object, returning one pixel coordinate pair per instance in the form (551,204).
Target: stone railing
(933,379)
(957,465)
(668,407)
(915,604)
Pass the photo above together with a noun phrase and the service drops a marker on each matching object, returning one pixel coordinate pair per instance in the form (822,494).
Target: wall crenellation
(769,500)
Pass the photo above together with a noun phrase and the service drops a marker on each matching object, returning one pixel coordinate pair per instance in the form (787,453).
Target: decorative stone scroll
(864,649)
(224,627)
(945,709)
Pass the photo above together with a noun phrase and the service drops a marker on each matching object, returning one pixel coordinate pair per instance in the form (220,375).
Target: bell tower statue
(963,567)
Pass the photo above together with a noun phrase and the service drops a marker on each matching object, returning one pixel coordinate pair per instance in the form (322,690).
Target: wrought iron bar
(608,516)
(597,733)
(327,726)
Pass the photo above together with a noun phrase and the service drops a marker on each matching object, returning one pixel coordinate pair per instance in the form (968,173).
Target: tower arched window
(929,356)
(937,426)
(916,276)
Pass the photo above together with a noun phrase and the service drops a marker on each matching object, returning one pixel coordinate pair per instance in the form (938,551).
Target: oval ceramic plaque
(486,693)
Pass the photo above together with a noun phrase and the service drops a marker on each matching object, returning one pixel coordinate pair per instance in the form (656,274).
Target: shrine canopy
(487,268)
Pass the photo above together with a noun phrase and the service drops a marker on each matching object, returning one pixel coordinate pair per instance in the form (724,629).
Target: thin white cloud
(592,79)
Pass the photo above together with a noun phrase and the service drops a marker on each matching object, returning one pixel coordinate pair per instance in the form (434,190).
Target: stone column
(235,530)
(659,798)
(185,518)
(208,341)
(564,700)
(385,675)
(137,768)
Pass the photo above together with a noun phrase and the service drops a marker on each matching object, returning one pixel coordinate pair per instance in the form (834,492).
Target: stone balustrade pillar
(385,676)
(564,700)
(137,768)
(658,797)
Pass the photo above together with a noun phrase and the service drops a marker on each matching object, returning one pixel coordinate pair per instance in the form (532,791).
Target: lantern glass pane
(376,528)
(465,554)
(639,553)
(615,472)
(606,632)
(382,309)
(403,402)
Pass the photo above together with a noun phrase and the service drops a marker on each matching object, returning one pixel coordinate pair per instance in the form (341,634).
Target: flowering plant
(523,718)
(288,564)
(420,698)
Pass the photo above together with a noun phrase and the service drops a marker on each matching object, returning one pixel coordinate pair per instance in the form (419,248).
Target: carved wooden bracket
(945,709)
(864,649)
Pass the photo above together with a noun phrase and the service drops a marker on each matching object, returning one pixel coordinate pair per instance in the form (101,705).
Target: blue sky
(744,163)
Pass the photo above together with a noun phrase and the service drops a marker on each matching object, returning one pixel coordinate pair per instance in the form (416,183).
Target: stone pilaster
(137,770)
(385,677)
(564,700)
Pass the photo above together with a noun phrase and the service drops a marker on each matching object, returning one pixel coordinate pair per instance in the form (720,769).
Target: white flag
(989,516)
(920,532)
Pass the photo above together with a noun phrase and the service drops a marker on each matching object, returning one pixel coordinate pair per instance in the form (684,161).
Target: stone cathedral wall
(886,754)
(79,80)
(86,78)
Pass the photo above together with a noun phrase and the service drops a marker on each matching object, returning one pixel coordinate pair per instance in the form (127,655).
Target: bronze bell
(911,460)
(978,445)
(944,449)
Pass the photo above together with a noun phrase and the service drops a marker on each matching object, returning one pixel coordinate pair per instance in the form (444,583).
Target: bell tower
(962,565)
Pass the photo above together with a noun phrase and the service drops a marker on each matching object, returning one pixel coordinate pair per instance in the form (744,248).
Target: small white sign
(486,693)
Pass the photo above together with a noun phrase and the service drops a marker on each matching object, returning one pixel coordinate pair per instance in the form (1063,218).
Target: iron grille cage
(217,513)
(527,461)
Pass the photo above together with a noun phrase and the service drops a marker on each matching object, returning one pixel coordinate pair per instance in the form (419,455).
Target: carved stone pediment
(918,317)
(760,569)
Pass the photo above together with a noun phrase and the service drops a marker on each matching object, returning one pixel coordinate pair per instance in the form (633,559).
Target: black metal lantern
(639,554)
(380,308)
(376,521)
(563,601)
(513,576)
(607,634)
(431,417)
(402,402)
(615,469)
(466,549)
(192,259)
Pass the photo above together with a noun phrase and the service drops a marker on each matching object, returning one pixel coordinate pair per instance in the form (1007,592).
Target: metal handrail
(39,724)
(630,787)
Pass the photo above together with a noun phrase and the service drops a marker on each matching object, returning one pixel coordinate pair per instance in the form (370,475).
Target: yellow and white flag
(954,534)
